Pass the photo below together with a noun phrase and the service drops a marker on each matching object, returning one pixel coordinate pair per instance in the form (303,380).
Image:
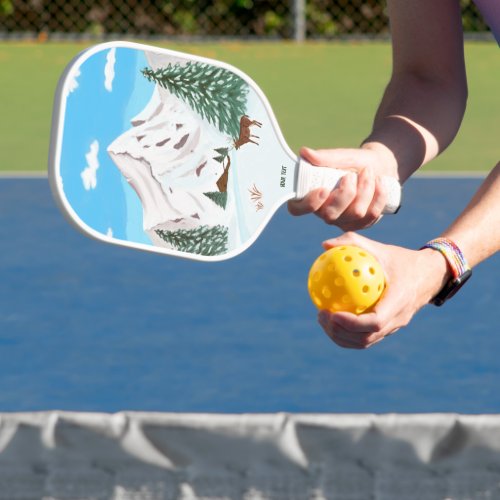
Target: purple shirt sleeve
(490,9)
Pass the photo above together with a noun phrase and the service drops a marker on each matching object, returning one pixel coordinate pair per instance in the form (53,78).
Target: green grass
(323,94)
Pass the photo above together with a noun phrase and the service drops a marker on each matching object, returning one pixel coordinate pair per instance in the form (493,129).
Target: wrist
(388,165)
(437,273)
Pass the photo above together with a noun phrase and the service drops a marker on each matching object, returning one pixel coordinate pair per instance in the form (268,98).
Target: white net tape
(159,456)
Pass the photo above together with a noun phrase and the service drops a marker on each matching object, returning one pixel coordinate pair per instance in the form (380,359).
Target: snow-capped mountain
(167,157)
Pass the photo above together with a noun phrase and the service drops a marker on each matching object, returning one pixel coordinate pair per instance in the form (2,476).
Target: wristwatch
(460,270)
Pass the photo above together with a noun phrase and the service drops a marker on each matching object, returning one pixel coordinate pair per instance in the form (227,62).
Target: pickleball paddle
(172,153)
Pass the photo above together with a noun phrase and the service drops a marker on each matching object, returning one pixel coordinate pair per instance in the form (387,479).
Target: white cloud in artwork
(109,70)
(72,83)
(89,173)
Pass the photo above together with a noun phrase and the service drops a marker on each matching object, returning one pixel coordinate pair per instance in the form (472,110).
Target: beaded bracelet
(459,267)
(452,254)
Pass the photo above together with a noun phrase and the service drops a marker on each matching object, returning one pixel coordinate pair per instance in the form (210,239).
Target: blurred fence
(194,18)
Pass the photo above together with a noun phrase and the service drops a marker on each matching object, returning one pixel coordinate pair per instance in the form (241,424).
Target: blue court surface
(86,326)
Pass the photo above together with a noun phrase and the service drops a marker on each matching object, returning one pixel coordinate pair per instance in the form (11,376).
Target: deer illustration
(222,181)
(245,133)
(223,153)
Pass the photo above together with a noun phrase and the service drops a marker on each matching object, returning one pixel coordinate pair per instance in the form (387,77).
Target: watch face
(451,288)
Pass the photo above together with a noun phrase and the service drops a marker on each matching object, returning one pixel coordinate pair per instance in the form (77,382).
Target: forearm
(424,102)
(477,230)
(416,121)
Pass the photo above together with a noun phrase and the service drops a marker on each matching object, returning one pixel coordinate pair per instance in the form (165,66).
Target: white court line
(431,174)
(453,174)
(23,175)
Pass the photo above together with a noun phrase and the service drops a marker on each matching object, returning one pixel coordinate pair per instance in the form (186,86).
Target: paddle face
(167,152)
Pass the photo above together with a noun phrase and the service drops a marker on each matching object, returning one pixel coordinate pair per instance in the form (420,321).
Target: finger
(353,340)
(379,200)
(310,203)
(348,238)
(376,324)
(341,339)
(340,335)
(356,215)
(378,250)
(362,340)
(345,344)
(365,324)
(342,321)
(357,338)
(364,194)
(339,199)
(357,224)
(374,211)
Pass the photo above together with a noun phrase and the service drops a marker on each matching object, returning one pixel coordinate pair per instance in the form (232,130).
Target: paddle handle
(311,177)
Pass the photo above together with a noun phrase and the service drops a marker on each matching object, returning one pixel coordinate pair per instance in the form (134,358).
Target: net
(153,456)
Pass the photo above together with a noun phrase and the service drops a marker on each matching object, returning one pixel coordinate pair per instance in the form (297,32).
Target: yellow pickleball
(346,278)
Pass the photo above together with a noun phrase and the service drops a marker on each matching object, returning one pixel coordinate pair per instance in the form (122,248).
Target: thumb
(348,238)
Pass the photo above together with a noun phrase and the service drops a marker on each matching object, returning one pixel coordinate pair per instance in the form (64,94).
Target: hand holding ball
(346,278)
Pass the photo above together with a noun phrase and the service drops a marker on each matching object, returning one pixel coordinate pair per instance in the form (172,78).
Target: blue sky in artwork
(106,94)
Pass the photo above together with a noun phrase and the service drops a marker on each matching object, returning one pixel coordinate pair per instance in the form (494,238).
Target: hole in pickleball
(348,258)
(366,289)
(339,281)
(356,273)
(317,301)
(346,299)
(363,254)
(372,270)
(327,293)
(317,276)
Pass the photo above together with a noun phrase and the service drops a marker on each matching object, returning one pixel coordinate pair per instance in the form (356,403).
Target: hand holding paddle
(359,200)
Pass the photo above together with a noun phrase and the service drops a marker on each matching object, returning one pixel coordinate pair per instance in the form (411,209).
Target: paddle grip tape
(311,177)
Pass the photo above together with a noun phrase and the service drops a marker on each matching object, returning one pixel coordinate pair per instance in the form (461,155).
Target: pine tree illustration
(216,94)
(218,198)
(203,240)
